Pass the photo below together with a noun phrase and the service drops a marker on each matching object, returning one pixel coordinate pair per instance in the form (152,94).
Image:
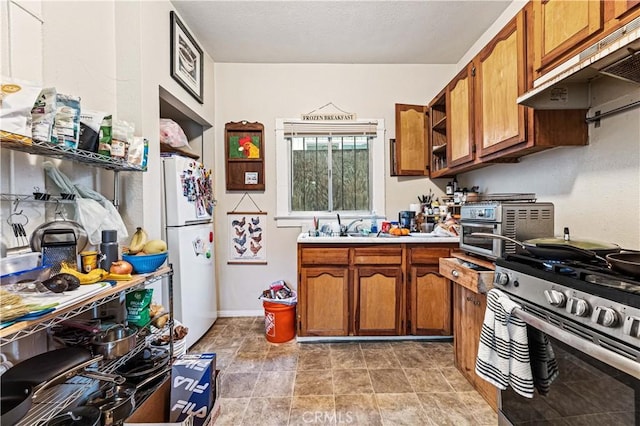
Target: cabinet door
(459,118)
(430,302)
(621,7)
(411,140)
(323,302)
(500,79)
(561,26)
(378,298)
(465,341)
(468,315)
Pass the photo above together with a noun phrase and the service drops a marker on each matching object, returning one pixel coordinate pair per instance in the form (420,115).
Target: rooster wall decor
(247,237)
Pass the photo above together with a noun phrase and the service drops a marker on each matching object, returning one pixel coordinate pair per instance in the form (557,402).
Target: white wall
(264,92)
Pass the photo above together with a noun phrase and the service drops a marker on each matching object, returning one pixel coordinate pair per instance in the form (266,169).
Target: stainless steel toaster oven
(520,220)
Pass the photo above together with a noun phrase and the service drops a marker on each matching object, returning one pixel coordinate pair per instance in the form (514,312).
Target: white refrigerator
(189,202)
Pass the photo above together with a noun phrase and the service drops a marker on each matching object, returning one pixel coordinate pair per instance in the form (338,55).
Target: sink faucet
(344,230)
(350,225)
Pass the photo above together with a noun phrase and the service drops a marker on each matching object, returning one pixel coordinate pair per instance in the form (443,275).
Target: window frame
(285,217)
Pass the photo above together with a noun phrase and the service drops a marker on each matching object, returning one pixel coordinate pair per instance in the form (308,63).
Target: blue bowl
(145,263)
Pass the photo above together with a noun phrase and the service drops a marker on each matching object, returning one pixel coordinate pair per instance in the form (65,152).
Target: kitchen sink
(360,235)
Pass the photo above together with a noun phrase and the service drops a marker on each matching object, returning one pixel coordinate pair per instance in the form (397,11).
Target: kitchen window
(327,167)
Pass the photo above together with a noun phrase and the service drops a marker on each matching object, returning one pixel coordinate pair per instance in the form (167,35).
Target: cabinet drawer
(324,256)
(477,280)
(428,256)
(377,255)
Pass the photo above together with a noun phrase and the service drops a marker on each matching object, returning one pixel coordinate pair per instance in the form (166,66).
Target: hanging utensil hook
(11,221)
(59,212)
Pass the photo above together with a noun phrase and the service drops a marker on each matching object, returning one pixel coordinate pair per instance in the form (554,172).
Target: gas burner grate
(595,272)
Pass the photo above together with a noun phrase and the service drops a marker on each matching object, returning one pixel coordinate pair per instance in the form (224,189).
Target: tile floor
(351,383)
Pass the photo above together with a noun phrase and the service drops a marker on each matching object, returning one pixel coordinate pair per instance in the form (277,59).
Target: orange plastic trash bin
(279,321)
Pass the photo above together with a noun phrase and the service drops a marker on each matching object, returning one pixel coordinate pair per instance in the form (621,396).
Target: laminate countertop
(413,238)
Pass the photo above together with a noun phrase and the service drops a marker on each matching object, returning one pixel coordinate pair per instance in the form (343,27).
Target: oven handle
(611,358)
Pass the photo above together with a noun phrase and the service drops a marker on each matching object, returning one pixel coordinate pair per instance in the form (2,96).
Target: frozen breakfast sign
(338,115)
(314,116)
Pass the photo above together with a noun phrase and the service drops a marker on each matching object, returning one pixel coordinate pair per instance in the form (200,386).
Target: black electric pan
(46,366)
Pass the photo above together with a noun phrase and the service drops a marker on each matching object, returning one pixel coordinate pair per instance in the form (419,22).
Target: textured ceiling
(344,31)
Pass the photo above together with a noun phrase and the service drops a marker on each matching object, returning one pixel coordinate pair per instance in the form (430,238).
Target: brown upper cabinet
(500,78)
(561,26)
(451,125)
(411,140)
(564,28)
(460,117)
(484,123)
(622,7)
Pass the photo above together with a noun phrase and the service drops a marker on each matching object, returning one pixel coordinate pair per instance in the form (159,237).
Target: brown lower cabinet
(324,302)
(378,301)
(468,314)
(429,293)
(469,304)
(373,290)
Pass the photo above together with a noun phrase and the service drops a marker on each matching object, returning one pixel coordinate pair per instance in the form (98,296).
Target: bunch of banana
(138,240)
(91,277)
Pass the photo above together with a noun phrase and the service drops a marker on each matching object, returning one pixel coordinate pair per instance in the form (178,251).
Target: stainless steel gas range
(591,316)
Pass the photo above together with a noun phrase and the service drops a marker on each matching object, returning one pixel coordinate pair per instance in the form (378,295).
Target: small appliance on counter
(407,219)
(517,216)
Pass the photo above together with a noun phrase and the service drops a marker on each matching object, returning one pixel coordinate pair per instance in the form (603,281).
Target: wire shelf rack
(77,155)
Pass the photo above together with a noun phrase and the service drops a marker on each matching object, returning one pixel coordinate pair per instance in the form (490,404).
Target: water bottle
(108,249)
(374,223)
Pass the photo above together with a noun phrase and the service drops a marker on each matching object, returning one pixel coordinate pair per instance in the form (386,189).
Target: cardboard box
(193,387)
(154,411)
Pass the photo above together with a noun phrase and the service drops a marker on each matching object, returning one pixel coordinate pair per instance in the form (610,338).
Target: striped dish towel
(503,353)
(543,360)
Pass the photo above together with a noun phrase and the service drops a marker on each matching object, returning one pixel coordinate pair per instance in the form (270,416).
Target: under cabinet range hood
(567,86)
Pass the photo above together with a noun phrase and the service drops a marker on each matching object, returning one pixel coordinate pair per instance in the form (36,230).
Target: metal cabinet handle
(455,273)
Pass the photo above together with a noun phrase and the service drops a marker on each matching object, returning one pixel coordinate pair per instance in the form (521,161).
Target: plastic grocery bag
(111,219)
(17,98)
(279,292)
(93,211)
(172,134)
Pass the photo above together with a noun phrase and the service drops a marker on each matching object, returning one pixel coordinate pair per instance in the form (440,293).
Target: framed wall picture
(187,62)
(244,151)
(247,237)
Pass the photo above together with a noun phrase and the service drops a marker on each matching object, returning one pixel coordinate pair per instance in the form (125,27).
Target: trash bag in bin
(279,303)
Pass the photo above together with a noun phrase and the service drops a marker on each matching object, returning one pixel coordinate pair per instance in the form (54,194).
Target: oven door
(593,387)
(483,246)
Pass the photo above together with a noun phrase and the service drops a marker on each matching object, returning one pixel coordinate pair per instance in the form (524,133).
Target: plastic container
(39,273)
(19,263)
(279,322)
